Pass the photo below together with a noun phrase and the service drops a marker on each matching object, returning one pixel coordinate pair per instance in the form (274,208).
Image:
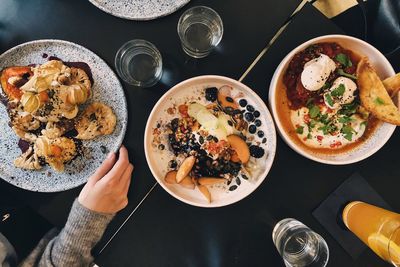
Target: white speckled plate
(158,160)
(139,9)
(106,89)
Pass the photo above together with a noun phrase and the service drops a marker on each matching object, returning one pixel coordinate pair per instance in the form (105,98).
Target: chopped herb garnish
(344,119)
(344,60)
(312,123)
(309,136)
(328,128)
(310,103)
(326,86)
(349,109)
(300,129)
(347,132)
(329,99)
(341,72)
(379,101)
(339,91)
(314,112)
(324,118)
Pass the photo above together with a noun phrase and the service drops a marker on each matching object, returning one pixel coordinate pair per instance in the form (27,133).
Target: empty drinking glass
(298,245)
(138,62)
(200,30)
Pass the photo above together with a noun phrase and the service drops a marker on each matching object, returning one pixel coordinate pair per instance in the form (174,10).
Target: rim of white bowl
(272,152)
(272,102)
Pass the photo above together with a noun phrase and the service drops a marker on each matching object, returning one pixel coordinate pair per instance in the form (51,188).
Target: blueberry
(250,108)
(260,134)
(252,129)
(256,113)
(249,116)
(229,99)
(243,102)
(211,94)
(257,123)
(256,151)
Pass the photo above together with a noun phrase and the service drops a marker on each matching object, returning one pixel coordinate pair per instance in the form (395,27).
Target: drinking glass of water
(298,245)
(138,62)
(200,29)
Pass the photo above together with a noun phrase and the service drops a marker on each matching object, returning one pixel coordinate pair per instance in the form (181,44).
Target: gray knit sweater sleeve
(72,247)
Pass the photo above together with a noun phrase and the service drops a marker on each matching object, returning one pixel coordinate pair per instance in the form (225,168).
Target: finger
(126,180)
(104,168)
(120,166)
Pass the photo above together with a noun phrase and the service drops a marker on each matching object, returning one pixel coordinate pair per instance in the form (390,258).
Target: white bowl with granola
(210,141)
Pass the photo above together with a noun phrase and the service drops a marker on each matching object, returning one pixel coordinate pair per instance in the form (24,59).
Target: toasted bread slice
(373,94)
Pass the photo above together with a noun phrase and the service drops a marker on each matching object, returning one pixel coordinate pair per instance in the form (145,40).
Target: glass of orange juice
(378,228)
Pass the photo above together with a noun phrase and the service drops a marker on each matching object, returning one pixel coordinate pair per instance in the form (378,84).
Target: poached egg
(316,72)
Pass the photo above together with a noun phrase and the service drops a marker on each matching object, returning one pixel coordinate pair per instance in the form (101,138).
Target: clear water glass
(138,62)
(298,245)
(200,29)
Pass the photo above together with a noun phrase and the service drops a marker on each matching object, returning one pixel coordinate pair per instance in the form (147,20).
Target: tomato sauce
(296,92)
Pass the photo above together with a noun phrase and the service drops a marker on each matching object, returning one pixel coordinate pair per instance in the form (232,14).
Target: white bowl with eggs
(366,148)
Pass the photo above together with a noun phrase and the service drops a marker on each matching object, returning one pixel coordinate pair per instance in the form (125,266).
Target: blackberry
(173,164)
(260,134)
(252,129)
(257,123)
(256,113)
(256,151)
(243,102)
(249,116)
(211,94)
(250,108)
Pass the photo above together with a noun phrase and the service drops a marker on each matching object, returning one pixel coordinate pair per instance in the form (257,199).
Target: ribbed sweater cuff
(85,226)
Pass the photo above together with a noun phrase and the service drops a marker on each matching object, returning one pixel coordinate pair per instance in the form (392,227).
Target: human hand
(107,189)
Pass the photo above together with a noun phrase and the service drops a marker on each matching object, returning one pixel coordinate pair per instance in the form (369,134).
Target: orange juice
(376,227)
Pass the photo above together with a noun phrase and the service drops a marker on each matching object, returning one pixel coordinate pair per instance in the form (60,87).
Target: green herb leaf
(339,91)
(344,60)
(324,119)
(300,129)
(344,119)
(310,103)
(349,109)
(347,132)
(341,72)
(309,136)
(329,99)
(328,129)
(326,86)
(312,124)
(379,101)
(314,112)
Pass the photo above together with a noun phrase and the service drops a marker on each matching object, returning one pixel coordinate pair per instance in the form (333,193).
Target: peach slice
(204,190)
(187,183)
(185,168)
(225,99)
(170,177)
(235,157)
(210,180)
(240,148)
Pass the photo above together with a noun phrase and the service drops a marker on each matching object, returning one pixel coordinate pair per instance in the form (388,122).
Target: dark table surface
(164,231)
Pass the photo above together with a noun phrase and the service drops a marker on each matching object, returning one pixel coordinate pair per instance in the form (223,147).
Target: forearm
(72,247)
